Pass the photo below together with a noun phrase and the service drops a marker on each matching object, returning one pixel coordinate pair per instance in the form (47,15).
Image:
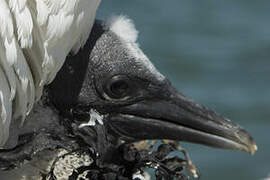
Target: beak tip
(253,148)
(249,144)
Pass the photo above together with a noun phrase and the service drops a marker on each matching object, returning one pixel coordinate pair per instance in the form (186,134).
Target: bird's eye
(118,87)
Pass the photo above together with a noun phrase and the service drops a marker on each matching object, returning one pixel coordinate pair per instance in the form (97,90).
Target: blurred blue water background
(217,53)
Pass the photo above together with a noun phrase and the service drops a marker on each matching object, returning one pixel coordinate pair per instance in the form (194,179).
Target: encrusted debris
(132,164)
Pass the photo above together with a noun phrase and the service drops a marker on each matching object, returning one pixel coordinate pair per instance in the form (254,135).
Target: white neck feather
(35,38)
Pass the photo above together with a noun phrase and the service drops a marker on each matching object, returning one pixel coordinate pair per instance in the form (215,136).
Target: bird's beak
(173,116)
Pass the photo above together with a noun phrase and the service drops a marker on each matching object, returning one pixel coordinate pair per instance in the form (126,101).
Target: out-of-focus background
(217,53)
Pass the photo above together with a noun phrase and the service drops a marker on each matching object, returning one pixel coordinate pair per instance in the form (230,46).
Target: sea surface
(217,53)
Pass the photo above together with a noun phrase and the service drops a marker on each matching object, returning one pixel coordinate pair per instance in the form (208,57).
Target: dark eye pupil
(119,88)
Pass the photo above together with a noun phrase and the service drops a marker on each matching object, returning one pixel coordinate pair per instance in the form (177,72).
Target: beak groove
(179,118)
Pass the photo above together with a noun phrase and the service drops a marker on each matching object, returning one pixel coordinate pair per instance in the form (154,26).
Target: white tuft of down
(35,38)
(267,178)
(125,29)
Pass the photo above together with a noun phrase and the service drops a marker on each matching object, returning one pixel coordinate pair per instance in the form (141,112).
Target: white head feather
(35,38)
(124,28)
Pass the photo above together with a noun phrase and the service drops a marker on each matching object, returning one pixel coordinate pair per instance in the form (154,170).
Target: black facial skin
(137,103)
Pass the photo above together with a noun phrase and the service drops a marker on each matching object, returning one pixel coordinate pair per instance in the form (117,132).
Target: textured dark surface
(131,161)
